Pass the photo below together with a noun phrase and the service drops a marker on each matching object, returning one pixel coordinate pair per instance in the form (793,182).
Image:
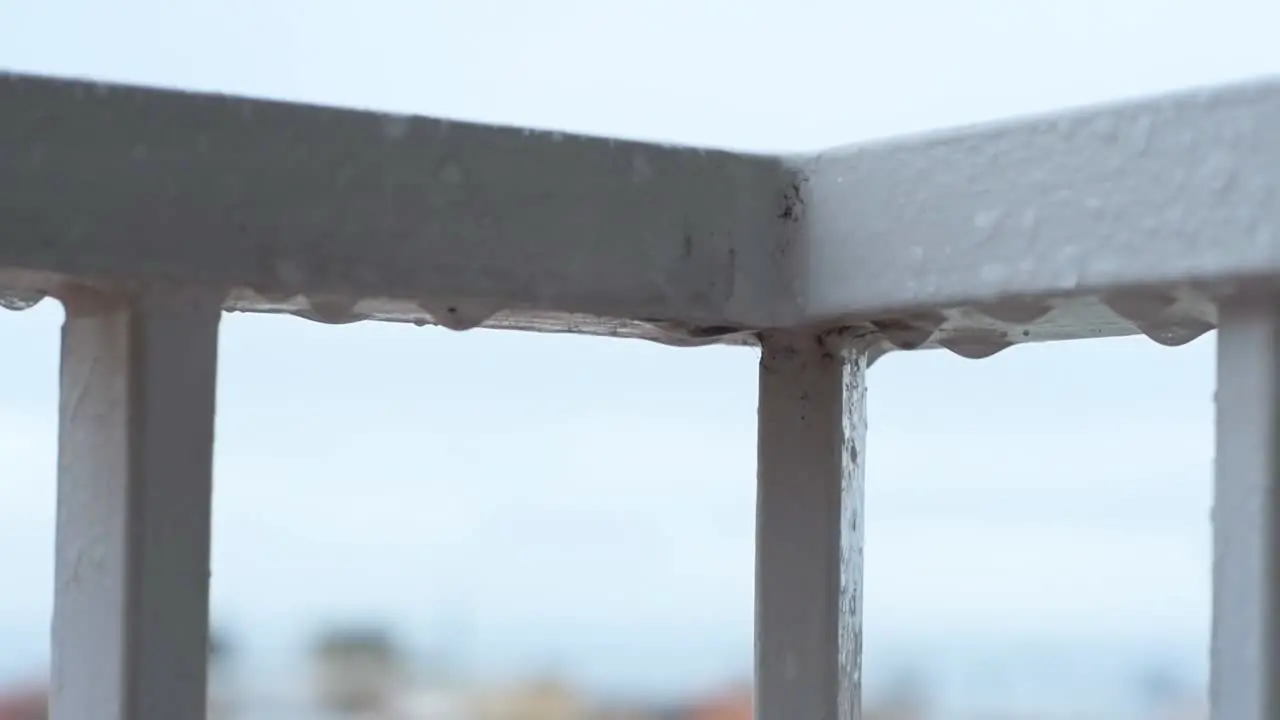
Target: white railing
(147,211)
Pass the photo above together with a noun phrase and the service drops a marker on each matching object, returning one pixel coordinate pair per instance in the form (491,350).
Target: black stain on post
(793,201)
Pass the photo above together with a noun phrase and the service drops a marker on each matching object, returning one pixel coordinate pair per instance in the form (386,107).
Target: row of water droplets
(452,315)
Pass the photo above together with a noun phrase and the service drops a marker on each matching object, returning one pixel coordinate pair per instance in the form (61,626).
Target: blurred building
(358,672)
(1187,709)
(221,690)
(546,699)
(614,712)
(738,703)
(33,704)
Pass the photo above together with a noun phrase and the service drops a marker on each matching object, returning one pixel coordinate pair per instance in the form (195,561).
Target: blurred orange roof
(26,704)
(735,704)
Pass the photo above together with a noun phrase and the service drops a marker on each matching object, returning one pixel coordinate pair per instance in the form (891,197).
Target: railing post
(1244,682)
(812,432)
(135,452)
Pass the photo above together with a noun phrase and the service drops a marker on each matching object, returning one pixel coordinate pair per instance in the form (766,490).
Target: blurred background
(415,523)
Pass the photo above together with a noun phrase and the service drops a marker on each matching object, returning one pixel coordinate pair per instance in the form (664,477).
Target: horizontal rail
(388,216)
(1135,217)
(1125,218)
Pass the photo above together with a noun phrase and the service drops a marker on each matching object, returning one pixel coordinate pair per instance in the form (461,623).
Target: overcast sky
(562,496)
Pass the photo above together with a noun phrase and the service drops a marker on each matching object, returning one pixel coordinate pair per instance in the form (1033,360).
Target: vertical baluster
(1244,683)
(135,450)
(812,433)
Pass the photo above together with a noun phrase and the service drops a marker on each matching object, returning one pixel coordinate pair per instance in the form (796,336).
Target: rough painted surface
(276,200)
(135,454)
(809,530)
(1132,218)
(1168,191)
(1245,669)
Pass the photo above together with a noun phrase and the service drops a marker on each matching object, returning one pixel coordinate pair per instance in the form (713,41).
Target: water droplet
(909,332)
(331,311)
(460,315)
(976,347)
(1158,316)
(1172,333)
(1139,307)
(1015,312)
(20,301)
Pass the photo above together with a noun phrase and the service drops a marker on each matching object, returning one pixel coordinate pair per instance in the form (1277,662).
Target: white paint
(809,528)
(1245,669)
(1165,191)
(1128,218)
(289,200)
(130,627)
